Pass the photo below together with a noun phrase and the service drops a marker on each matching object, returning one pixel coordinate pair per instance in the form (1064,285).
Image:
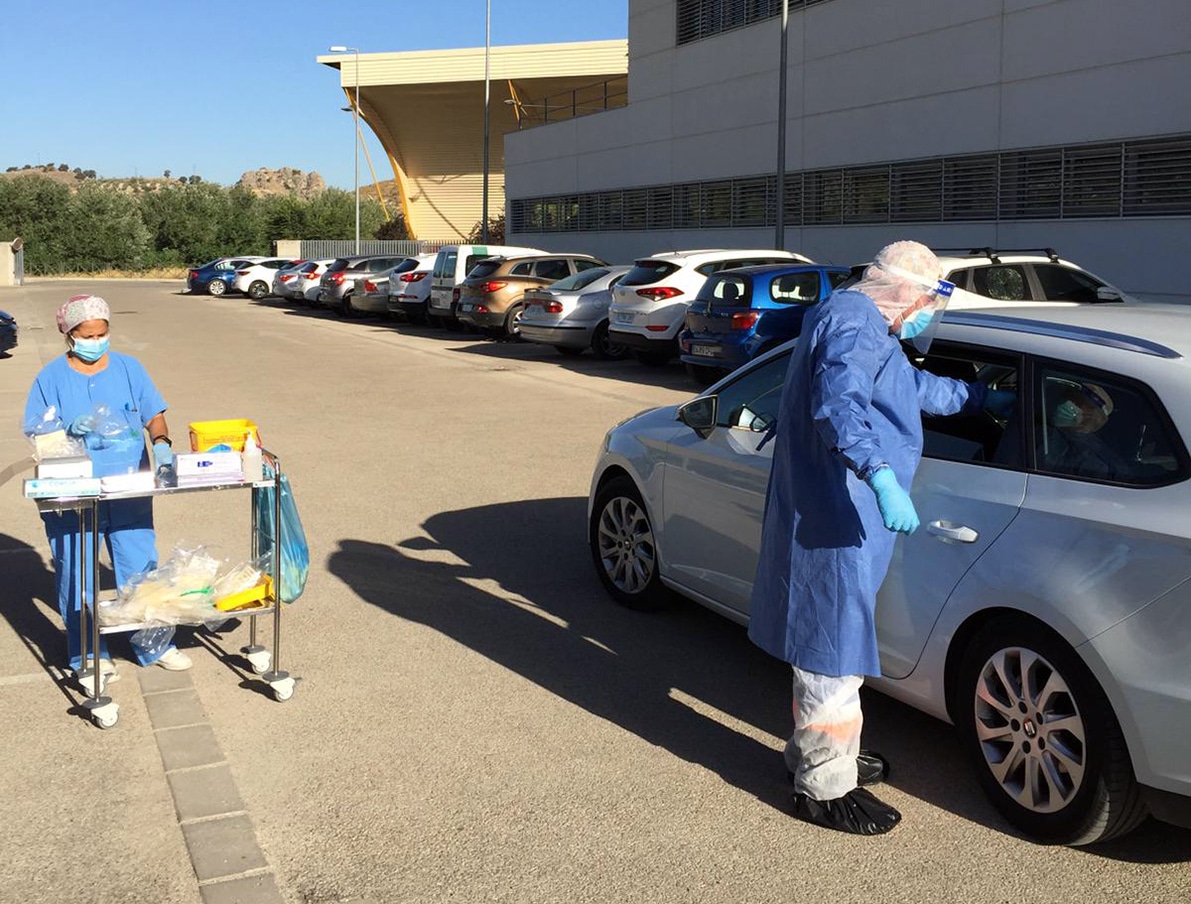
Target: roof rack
(994,254)
(1087,334)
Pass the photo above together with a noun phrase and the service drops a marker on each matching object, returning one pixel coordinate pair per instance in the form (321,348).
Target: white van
(451,267)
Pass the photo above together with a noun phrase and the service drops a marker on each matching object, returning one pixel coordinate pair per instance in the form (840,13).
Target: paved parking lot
(476,721)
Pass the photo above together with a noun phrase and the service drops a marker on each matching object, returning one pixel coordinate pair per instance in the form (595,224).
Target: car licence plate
(466,307)
(705,351)
(625,316)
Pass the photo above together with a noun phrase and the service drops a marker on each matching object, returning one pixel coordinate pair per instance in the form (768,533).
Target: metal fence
(606,95)
(315,249)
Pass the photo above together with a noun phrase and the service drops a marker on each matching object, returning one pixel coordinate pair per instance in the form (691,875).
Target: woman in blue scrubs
(107,401)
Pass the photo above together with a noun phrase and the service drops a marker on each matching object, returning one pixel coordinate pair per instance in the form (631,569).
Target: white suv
(986,277)
(649,303)
(256,279)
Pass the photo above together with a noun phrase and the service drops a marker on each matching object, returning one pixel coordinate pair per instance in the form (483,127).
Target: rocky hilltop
(283,181)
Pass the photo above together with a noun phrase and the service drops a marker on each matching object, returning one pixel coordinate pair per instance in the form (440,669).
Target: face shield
(920,322)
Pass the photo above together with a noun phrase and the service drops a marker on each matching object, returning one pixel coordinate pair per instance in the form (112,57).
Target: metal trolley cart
(103,711)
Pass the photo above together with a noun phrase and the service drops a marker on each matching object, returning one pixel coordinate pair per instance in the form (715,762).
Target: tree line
(131,226)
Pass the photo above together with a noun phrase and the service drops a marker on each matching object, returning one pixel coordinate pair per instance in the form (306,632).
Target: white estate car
(256,279)
(409,291)
(305,285)
(650,301)
(1044,606)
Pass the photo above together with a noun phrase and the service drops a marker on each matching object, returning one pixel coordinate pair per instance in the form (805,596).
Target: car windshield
(580,280)
(484,268)
(726,289)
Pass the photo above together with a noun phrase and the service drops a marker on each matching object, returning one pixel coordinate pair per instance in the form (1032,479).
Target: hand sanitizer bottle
(252,464)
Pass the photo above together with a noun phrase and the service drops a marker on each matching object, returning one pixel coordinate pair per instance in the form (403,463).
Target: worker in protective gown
(847,443)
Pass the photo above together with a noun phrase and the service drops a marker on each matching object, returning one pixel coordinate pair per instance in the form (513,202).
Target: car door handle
(952,532)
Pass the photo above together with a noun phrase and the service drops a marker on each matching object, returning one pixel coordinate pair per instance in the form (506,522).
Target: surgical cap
(898,276)
(81,308)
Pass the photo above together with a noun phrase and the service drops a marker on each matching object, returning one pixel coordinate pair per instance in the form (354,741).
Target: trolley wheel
(106,716)
(283,689)
(259,661)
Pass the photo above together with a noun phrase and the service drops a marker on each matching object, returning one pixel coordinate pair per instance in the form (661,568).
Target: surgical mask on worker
(919,327)
(1067,414)
(917,323)
(90,350)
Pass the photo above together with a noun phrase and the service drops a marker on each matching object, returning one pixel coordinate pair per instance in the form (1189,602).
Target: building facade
(1063,124)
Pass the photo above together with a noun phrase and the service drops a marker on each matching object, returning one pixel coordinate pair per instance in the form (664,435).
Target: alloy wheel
(626,545)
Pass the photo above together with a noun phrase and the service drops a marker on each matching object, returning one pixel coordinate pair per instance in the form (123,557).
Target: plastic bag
(295,553)
(108,429)
(180,591)
(48,435)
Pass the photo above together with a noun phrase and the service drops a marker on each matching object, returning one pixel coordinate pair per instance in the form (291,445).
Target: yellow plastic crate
(205,434)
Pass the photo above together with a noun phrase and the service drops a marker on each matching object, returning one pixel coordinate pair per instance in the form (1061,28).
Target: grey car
(572,314)
(1044,606)
(338,285)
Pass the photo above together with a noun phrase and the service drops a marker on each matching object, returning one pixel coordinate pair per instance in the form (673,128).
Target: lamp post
(338,48)
(487,95)
(779,229)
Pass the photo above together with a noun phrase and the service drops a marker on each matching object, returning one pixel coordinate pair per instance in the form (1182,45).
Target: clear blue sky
(216,87)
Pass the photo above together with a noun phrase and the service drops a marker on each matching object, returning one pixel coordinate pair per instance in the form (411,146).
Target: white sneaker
(175,661)
(107,671)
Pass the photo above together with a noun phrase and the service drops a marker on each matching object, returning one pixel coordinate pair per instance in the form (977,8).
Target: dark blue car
(738,314)
(215,277)
(8,333)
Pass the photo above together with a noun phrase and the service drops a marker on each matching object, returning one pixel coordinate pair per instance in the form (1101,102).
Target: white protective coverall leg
(822,751)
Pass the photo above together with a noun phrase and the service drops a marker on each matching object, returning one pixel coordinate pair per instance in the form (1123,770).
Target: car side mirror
(700,414)
(1107,293)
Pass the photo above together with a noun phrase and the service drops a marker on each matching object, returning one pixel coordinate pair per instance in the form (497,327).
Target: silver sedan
(1044,607)
(572,314)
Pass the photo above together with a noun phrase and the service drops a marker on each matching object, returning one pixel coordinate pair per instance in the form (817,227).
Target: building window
(698,19)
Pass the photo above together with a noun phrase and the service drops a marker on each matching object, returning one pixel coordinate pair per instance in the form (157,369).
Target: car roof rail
(994,254)
(1104,338)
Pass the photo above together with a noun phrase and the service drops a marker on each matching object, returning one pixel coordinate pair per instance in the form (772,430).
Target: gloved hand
(82,425)
(897,509)
(163,455)
(1000,402)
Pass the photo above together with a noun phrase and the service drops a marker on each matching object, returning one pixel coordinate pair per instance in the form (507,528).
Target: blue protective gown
(851,403)
(126,526)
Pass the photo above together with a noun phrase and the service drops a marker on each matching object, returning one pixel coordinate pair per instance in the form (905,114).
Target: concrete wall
(872,81)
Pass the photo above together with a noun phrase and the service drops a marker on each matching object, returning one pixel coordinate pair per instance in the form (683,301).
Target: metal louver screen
(1092,181)
(636,213)
(822,196)
(916,191)
(661,207)
(698,19)
(866,195)
(1031,185)
(1157,178)
(715,204)
(970,188)
(750,200)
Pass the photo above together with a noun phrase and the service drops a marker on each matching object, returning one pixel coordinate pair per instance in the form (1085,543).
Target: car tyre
(512,327)
(603,347)
(257,290)
(216,287)
(346,308)
(1042,737)
(622,545)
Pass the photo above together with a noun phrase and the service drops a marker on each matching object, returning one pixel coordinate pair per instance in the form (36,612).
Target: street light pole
(356,133)
(487,97)
(779,229)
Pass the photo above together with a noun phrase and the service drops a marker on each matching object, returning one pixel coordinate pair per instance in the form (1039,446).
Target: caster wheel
(283,690)
(106,716)
(260,661)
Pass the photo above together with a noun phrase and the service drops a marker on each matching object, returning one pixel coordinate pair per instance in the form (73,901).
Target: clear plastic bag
(295,553)
(112,430)
(49,438)
(180,591)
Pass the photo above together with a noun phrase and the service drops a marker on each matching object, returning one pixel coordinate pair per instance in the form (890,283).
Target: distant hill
(261,181)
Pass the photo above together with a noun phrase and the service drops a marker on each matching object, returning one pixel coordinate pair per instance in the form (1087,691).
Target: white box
(208,467)
(65,487)
(136,482)
(70,466)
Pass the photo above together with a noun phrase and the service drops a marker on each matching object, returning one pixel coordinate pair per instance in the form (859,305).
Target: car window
(728,290)
(484,268)
(552,269)
(795,288)
(406,265)
(448,265)
(582,279)
(525,268)
(751,401)
(1064,284)
(648,271)
(471,261)
(1004,282)
(337,265)
(581,265)
(838,279)
(979,437)
(1100,428)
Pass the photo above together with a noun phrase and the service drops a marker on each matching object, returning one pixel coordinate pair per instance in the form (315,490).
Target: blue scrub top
(852,402)
(123,386)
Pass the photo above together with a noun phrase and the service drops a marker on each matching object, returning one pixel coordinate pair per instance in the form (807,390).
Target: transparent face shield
(920,325)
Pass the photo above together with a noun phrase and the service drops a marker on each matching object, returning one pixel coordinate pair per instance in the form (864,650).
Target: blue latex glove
(163,455)
(81,425)
(897,509)
(1000,402)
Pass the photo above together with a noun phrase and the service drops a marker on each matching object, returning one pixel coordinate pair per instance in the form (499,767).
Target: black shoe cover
(858,813)
(871,769)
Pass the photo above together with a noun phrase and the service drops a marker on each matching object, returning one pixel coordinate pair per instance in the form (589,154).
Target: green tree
(36,209)
(243,227)
(105,230)
(185,222)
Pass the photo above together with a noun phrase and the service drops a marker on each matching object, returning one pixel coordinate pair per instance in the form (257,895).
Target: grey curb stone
(223,847)
(182,748)
(260,889)
(172,710)
(156,680)
(205,792)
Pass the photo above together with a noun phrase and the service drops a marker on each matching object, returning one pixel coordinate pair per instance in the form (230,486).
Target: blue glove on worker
(82,425)
(1000,402)
(163,454)
(897,509)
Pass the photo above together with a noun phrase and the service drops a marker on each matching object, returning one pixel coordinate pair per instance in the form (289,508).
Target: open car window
(751,402)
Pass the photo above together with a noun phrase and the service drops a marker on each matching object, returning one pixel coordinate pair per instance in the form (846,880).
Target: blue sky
(135,87)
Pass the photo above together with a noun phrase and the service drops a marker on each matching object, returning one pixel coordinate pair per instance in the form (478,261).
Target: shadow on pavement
(681,678)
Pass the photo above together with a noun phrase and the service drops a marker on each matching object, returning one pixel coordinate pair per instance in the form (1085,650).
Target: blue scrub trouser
(126,527)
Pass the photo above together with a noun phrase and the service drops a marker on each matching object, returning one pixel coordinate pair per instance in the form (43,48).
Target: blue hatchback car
(214,277)
(739,314)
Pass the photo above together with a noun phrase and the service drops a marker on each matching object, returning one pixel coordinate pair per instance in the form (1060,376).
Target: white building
(960,123)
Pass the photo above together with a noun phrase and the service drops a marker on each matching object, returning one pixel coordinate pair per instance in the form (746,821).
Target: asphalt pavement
(475,720)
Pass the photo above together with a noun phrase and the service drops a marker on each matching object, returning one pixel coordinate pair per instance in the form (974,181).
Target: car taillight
(659,293)
(369,286)
(552,307)
(413,277)
(455,294)
(193,274)
(745,320)
(337,278)
(481,309)
(241,273)
(492,285)
(285,277)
